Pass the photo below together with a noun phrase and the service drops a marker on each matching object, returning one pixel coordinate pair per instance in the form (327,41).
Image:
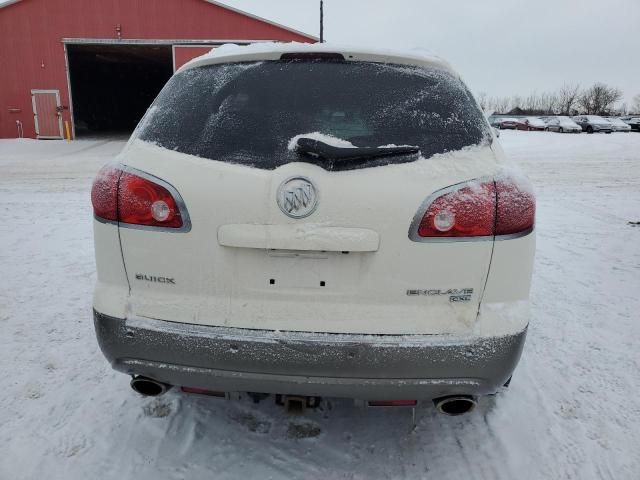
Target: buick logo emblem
(297,197)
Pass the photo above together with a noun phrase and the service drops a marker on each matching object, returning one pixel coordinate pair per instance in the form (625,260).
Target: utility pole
(321,21)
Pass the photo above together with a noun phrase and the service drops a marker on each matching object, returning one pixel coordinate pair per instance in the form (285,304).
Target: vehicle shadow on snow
(338,432)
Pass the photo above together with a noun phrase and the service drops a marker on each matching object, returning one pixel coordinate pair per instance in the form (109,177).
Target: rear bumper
(383,367)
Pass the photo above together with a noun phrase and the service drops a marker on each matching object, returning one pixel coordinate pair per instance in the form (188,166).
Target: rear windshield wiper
(318,149)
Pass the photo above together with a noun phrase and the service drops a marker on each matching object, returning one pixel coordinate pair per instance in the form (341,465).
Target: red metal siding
(183,54)
(32,53)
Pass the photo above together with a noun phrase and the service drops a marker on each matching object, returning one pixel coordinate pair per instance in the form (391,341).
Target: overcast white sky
(502,47)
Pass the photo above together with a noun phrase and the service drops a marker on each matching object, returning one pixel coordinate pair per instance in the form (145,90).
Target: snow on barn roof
(273,51)
(6,3)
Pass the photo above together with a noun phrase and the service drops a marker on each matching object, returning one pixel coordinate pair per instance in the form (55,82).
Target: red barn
(98,64)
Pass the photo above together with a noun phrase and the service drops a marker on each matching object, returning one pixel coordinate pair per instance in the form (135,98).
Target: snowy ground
(572,410)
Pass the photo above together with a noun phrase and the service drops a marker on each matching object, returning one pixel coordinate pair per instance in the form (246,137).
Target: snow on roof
(6,3)
(273,50)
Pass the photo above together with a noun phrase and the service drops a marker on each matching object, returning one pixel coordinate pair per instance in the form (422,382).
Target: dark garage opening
(113,85)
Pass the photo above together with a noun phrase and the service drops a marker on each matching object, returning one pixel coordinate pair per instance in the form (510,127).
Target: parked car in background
(563,125)
(286,288)
(531,124)
(593,123)
(618,125)
(507,123)
(632,121)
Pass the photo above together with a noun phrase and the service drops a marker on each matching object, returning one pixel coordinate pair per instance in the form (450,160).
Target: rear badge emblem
(297,197)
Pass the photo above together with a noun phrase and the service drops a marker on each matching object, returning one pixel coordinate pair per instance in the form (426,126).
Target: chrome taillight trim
(511,236)
(104,220)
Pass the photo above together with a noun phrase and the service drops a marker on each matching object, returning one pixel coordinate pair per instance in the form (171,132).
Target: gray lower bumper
(355,366)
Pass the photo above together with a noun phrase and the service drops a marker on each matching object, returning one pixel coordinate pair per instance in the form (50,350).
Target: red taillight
(479,209)
(468,211)
(516,209)
(104,193)
(143,202)
(126,197)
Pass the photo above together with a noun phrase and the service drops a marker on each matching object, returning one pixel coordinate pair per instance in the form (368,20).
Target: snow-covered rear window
(247,113)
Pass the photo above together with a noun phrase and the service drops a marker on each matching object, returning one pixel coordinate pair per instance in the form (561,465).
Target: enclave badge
(297,197)
(455,294)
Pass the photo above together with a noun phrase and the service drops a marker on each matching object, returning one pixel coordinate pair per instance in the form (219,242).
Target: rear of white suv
(313,221)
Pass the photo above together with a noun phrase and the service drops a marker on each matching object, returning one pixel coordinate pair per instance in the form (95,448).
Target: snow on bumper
(336,365)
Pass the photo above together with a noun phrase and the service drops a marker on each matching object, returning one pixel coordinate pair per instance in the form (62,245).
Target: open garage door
(113,85)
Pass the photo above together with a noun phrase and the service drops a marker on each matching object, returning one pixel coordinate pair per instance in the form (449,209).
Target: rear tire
(589,129)
(560,130)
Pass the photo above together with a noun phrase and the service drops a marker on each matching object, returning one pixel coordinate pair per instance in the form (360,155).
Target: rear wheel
(560,130)
(589,129)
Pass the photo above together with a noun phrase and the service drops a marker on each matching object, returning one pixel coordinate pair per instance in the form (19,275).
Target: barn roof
(6,3)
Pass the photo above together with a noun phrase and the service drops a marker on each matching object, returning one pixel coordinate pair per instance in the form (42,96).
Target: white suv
(314,221)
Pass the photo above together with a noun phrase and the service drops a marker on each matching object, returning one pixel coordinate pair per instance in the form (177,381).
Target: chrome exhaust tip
(148,387)
(455,404)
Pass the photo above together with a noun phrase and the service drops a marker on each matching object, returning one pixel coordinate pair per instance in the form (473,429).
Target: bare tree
(483,101)
(623,110)
(500,104)
(532,104)
(567,98)
(516,102)
(608,97)
(599,99)
(493,104)
(549,103)
(636,104)
(586,101)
